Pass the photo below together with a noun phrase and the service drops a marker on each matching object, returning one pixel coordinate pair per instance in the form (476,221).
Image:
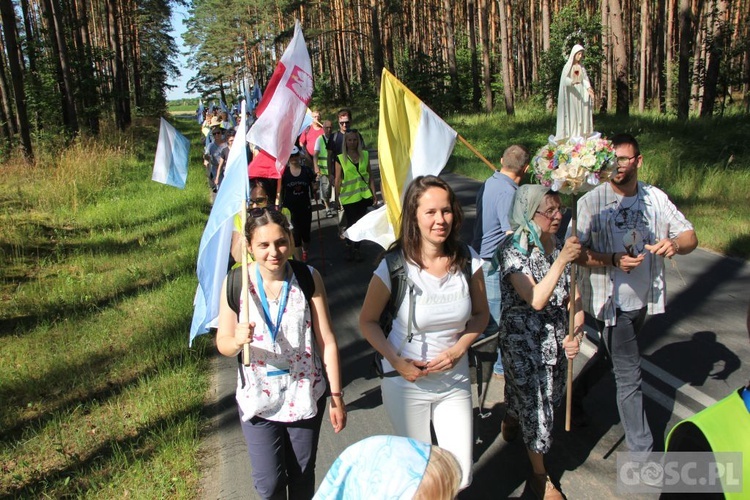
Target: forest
(67,66)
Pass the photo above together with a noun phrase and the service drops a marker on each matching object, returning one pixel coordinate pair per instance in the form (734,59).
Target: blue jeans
(282,455)
(622,346)
(492,284)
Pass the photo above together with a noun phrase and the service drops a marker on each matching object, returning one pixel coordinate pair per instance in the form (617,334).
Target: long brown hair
(410,239)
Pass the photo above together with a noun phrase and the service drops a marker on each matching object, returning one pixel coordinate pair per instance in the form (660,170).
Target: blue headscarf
(382,467)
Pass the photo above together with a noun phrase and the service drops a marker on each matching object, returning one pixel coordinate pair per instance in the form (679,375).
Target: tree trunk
(119,89)
(643,77)
(455,97)
(669,52)
(605,89)
(545,43)
(8,17)
(506,61)
(486,62)
(51,11)
(621,58)
(699,57)
(683,79)
(377,46)
(475,90)
(715,51)
(6,92)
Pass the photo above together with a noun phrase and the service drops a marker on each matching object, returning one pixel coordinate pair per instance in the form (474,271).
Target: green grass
(100,395)
(704,165)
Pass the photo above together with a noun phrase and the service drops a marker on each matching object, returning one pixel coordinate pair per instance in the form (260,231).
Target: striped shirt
(595,210)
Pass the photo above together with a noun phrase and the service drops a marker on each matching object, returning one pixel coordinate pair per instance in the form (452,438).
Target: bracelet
(676,246)
(613,259)
(337,394)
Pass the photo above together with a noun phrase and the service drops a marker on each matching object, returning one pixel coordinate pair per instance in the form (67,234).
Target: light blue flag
(171,162)
(199,113)
(216,242)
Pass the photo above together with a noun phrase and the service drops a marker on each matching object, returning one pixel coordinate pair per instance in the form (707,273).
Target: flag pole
(571,318)
(474,150)
(319,202)
(244,311)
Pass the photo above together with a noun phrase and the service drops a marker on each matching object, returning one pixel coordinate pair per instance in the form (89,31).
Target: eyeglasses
(259,201)
(260,211)
(552,212)
(217,133)
(624,161)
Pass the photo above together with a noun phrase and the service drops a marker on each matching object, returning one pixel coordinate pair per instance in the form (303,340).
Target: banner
(282,108)
(171,162)
(216,242)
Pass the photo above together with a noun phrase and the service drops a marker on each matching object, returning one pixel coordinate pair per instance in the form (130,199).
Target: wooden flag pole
(571,318)
(479,155)
(244,310)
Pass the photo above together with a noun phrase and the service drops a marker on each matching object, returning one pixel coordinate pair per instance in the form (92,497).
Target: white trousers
(411,409)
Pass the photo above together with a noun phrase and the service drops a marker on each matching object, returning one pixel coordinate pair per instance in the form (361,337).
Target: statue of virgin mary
(575,99)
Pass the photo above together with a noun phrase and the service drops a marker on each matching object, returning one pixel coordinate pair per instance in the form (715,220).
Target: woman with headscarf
(575,99)
(391,467)
(535,287)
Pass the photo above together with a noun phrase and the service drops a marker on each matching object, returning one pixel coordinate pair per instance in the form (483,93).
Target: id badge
(277,368)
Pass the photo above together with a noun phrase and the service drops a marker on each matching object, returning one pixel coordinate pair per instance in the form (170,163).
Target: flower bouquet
(576,165)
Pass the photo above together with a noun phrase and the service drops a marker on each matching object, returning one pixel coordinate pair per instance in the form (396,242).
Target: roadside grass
(101,396)
(704,164)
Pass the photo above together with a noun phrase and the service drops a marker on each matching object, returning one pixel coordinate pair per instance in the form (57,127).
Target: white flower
(588,160)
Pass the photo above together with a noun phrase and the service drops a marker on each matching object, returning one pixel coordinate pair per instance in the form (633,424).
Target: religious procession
(391,250)
(524,283)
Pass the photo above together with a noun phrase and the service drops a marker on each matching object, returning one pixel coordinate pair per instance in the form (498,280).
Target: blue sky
(179,92)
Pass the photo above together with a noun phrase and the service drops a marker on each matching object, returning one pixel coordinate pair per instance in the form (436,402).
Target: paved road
(701,335)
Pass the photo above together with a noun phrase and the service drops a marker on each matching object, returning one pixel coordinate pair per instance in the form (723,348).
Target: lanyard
(273,329)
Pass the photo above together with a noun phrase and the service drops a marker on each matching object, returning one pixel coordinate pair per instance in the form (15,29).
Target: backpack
(234,289)
(299,269)
(400,283)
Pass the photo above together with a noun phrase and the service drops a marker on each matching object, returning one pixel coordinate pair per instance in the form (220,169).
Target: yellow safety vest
(355,185)
(323,156)
(726,427)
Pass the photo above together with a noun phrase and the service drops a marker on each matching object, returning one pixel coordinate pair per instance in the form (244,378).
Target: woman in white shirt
(281,393)
(427,376)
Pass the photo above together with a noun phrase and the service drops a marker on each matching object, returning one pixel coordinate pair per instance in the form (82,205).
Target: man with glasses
(627,228)
(336,142)
(494,204)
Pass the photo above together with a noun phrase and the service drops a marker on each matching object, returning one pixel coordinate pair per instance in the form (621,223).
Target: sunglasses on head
(260,211)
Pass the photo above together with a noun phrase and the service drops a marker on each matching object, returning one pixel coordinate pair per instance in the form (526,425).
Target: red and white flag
(282,108)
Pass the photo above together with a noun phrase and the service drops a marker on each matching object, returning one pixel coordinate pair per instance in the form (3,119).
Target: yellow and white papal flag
(412,141)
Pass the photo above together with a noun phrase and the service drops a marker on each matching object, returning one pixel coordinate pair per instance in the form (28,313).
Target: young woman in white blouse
(427,378)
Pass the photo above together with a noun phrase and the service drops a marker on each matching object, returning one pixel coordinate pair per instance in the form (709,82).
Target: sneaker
(543,488)
(329,213)
(304,255)
(509,428)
